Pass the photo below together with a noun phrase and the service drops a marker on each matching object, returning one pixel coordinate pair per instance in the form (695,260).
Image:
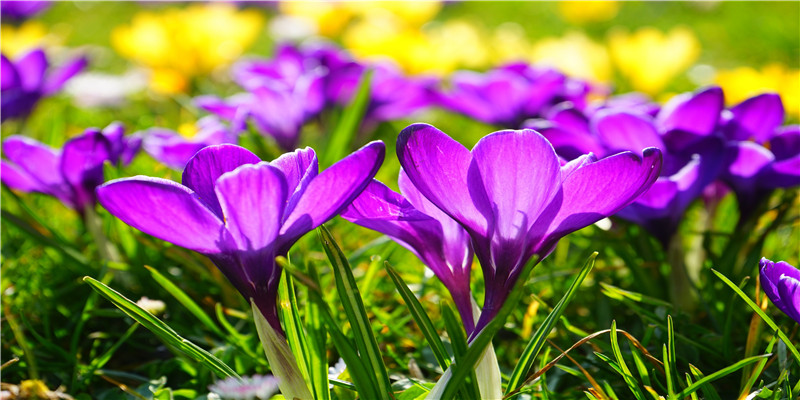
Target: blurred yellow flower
(18,40)
(744,82)
(581,12)
(181,44)
(576,55)
(649,59)
(328,17)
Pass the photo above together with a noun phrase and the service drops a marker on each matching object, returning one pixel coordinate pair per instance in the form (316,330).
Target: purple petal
(696,113)
(745,160)
(520,173)
(56,79)
(37,160)
(569,118)
(8,74)
(789,290)
(203,170)
(82,165)
(332,190)
(166,210)
(31,68)
(599,189)
(756,118)
(215,105)
(571,144)
(438,165)
(620,131)
(16,178)
(299,167)
(786,143)
(252,198)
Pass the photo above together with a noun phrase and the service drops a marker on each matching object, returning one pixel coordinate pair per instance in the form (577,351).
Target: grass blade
(354,309)
(719,374)
(295,335)
(539,338)
(162,330)
(421,317)
(458,338)
(185,300)
(623,366)
(317,337)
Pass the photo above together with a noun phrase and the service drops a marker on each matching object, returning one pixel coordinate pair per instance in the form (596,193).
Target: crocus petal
(16,178)
(621,131)
(82,165)
(520,173)
(782,174)
(36,159)
(203,170)
(789,291)
(786,142)
(689,112)
(252,198)
(438,165)
(599,189)
(8,74)
(756,118)
(166,210)
(56,79)
(31,68)
(299,167)
(746,159)
(332,190)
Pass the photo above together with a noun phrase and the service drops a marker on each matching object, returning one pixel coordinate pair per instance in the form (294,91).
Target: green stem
(94,224)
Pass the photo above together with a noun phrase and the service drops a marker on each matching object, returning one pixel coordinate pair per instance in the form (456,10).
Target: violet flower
(421,227)
(21,10)
(760,154)
(513,196)
(29,79)
(781,283)
(175,150)
(242,212)
(70,174)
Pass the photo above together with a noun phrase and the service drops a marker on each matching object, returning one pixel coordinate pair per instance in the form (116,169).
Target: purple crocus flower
(175,150)
(508,95)
(760,154)
(686,131)
(70,174)
(514,198)
(421,227)
(242,212)
(21,10)
(781,283)
(27,80)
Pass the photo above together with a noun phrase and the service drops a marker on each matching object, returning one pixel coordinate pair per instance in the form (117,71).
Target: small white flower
(248,388)
(155,307)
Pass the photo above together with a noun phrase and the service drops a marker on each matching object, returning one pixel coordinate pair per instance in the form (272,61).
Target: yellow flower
(581,12)
(744,82)
(574,54)
(28,36)
(649,59)
(181,44)
(329,17)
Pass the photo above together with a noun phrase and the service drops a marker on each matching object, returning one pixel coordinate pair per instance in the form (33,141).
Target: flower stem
(95,227)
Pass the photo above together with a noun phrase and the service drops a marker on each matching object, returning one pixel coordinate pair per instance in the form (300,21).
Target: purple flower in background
(70,174)
(760,154)
(513,196)
(175,150)
(20,10)
(242,212)
(28,79)
(781,283)
(421,227)
(509,95)
(686,131)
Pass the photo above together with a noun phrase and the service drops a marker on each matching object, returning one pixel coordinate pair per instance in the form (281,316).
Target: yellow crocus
(744,82)
(650,59)
(181,44)
(26,37)
(581,12)
(576,55)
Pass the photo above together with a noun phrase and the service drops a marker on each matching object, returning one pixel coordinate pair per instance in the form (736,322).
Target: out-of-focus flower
(744,82)
(153,306)
(28,79)
(24,38)
(328,17)
(70,174)
(575,54)
(649,59)
(260,387)
(581,12)
(421,227)
(175,149)
(508,95)
(781,282)
(514,197)
(760,154)
(20,10)
(95,89)
(181,44)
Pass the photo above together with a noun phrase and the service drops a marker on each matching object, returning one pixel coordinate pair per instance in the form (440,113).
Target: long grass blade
(185,300)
